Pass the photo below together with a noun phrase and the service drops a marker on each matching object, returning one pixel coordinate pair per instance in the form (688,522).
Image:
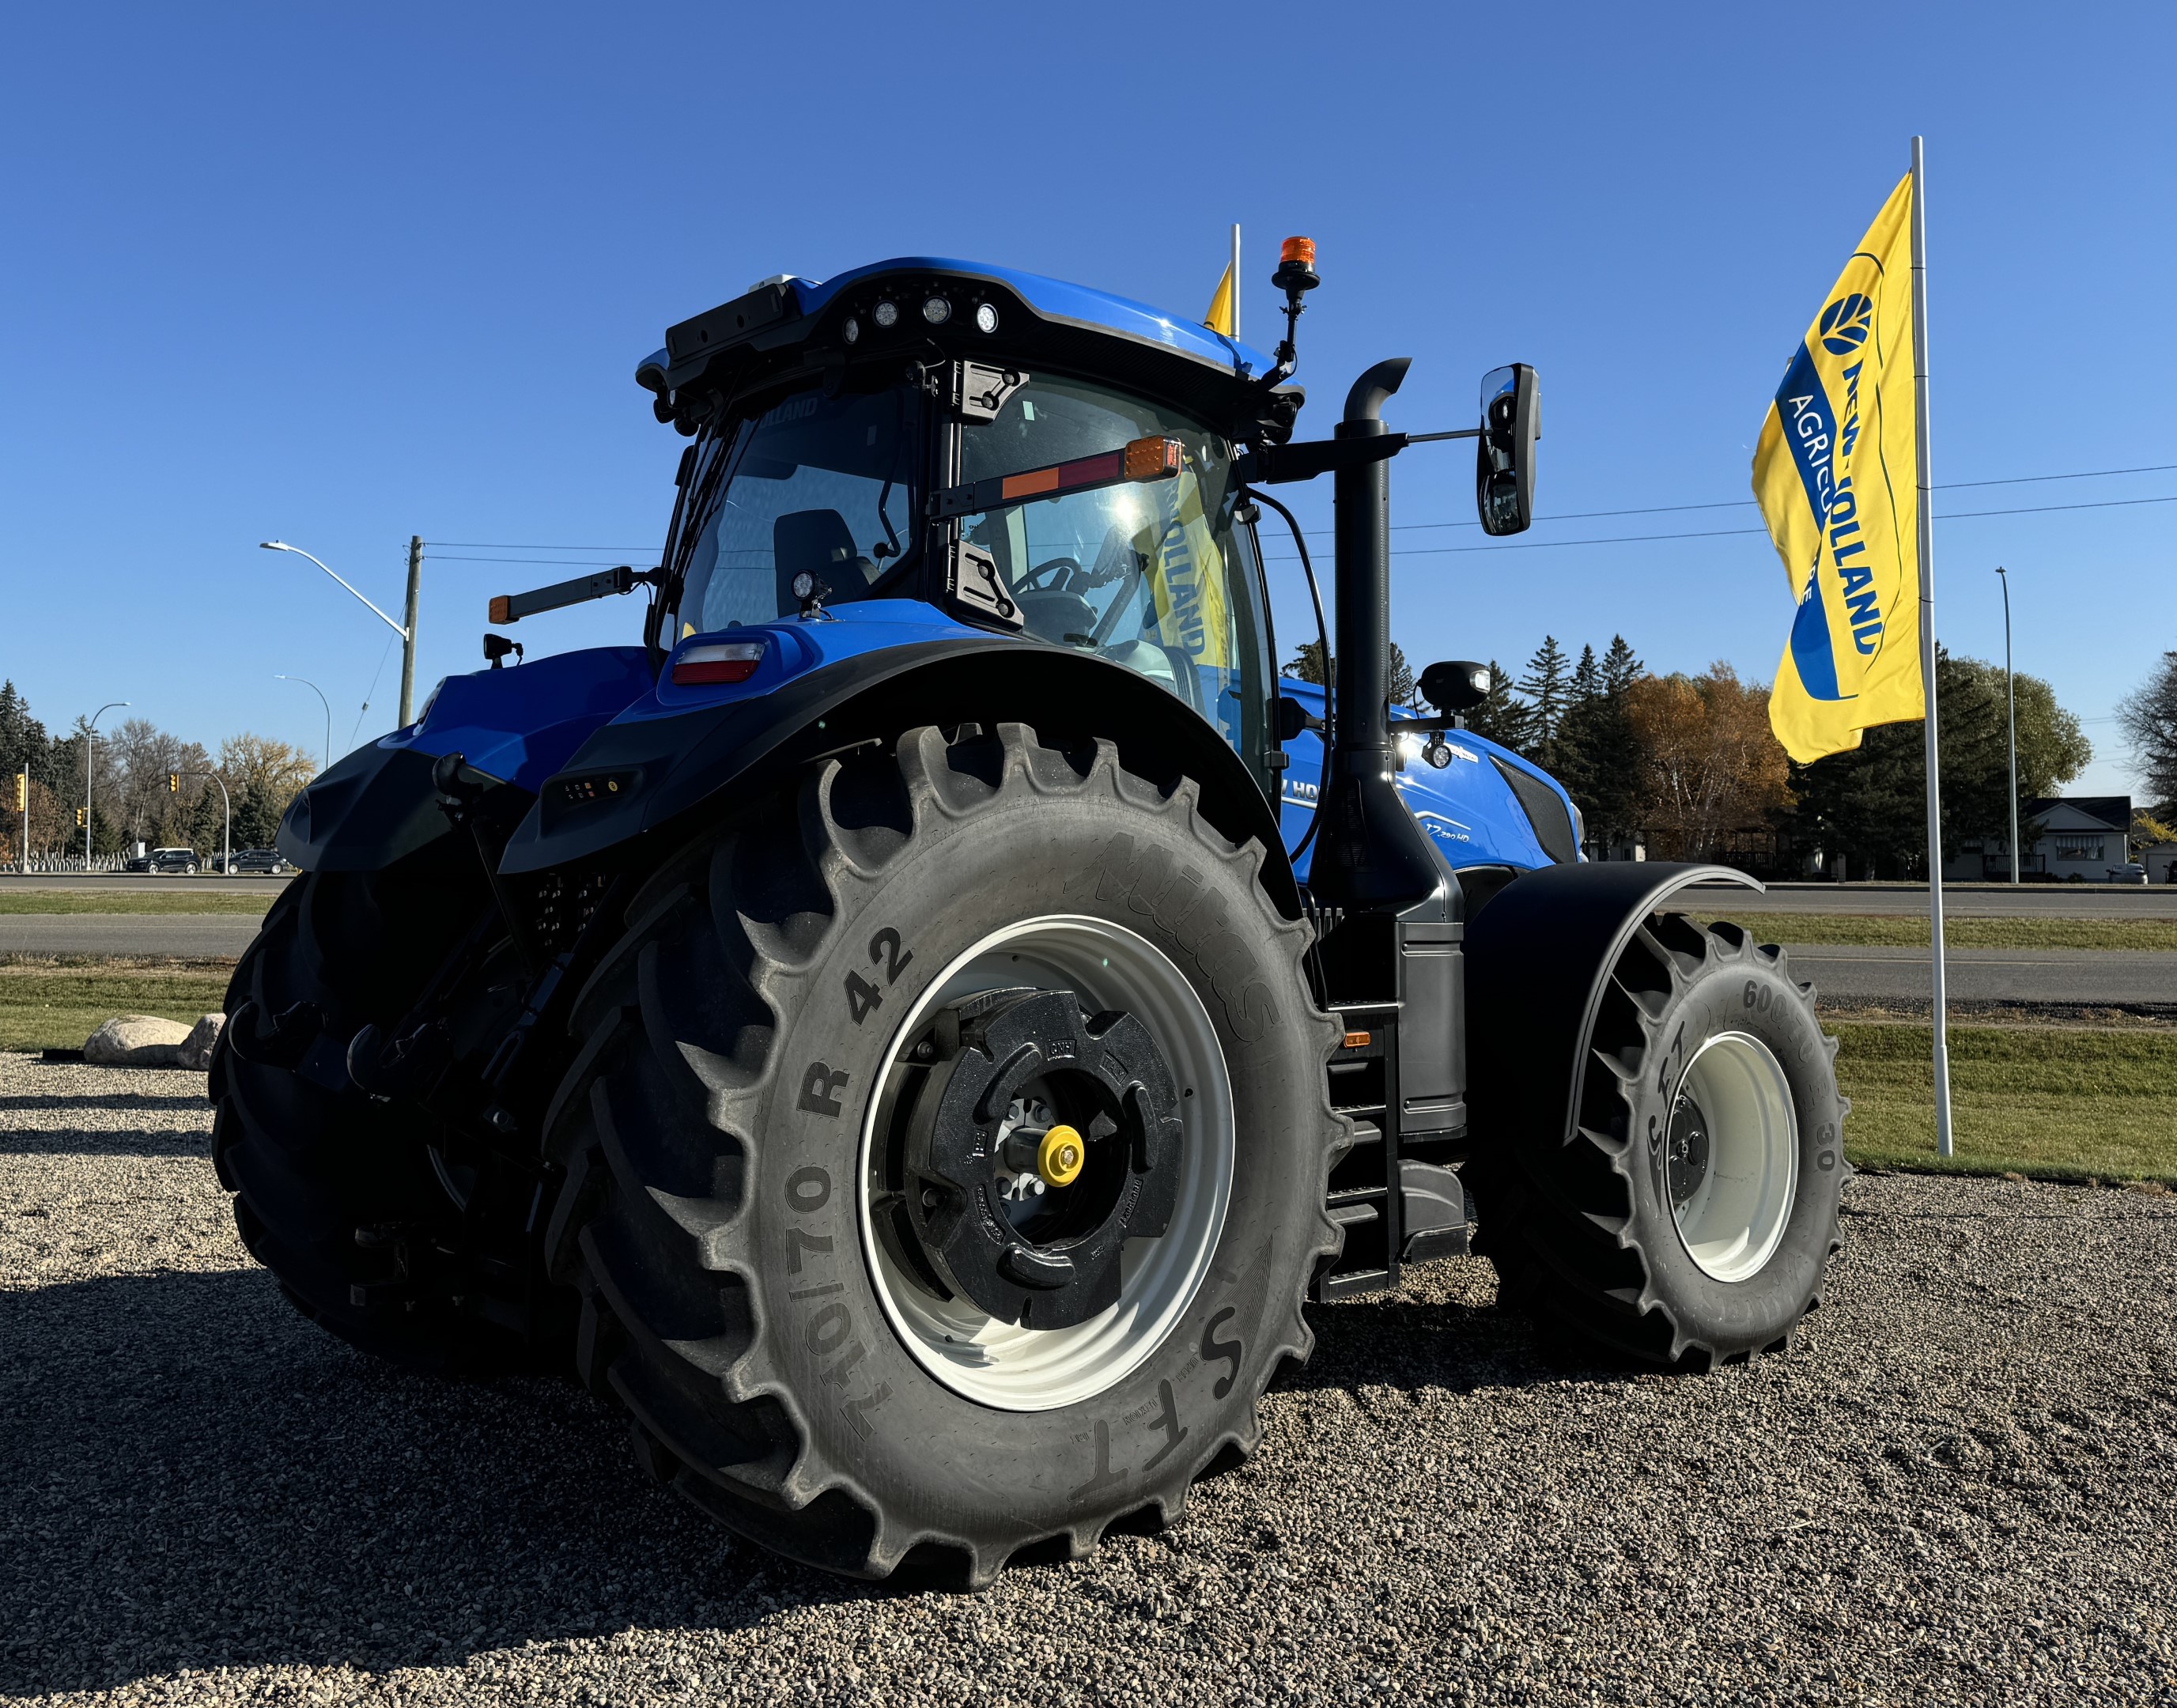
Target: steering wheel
(1033,582)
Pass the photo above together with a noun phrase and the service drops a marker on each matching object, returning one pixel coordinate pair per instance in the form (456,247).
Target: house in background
(2083,837)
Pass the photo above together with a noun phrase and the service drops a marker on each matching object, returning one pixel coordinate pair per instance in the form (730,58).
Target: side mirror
(1455,685)
(1504,460)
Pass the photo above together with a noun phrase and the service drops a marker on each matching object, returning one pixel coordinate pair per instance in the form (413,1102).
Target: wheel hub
(1040,1141)
(1688,1154)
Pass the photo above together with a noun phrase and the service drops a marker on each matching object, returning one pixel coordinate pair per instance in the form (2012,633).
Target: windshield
(1154,575)
(826,484)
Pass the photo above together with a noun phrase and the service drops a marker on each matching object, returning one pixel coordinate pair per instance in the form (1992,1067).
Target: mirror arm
(1456,433)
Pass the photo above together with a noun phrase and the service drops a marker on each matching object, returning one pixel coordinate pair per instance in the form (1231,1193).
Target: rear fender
(1538,961)
(641,784)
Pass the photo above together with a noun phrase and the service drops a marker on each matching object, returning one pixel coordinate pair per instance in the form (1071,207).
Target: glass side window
(826,484)
(1154,576)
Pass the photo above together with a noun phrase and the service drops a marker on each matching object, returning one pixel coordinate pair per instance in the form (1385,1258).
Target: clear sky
(344,274)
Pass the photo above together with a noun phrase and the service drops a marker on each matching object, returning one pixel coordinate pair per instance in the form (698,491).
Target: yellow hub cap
(1059,1158)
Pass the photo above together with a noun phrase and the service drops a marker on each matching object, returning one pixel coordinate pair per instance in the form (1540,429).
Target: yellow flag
(1219,320)
(1836,476)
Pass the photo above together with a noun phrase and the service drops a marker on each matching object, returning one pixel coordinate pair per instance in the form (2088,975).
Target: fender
(640,783)
(1539,957)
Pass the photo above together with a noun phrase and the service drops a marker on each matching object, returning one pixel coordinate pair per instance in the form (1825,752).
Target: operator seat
(820,541)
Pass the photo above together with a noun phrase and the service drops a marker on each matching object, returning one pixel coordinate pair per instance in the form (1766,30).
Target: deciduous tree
(2148,716)
(1709,765)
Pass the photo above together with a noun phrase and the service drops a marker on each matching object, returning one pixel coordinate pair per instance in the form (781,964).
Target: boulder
(136,1040)
(196,1048)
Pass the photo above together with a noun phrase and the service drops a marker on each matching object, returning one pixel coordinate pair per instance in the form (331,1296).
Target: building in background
(2085,839)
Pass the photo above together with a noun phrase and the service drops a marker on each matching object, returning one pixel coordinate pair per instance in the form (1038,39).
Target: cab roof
(780,319)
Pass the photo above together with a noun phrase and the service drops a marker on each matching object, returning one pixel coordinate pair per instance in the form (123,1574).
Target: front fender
(643,781)
(1539,958)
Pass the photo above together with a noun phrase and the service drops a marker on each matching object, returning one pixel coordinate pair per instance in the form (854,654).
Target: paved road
(1960,901)
(1960,1486)
(126,934)
(2086,976)
(1845,975)
(125,881)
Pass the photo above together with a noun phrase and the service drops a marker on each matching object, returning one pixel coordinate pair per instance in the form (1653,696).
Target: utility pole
(408,640)
(2011,698)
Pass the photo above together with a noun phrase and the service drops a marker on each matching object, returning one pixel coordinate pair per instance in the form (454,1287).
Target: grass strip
(2049,1102)
(144,902)
(55,1005)
(1910,931)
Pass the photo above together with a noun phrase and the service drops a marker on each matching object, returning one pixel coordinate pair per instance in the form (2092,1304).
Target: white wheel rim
(1730,1223)
(1000,1364)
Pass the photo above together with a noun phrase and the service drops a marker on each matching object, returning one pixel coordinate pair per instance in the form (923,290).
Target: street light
(89,742)
(405,631)
(322,701)
(2011,696)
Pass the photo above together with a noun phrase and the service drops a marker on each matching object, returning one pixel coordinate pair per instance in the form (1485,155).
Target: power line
(1721,533)
(503,546)
(538,563)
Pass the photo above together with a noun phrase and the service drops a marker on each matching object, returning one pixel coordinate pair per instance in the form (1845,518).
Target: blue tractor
(915,1029)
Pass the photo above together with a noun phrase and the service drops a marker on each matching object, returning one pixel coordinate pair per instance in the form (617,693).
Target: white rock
(135,1041)
(196,1048)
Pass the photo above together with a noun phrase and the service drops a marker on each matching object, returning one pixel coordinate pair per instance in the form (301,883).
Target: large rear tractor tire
(1686,1217)
(339,1196)
(944,1157)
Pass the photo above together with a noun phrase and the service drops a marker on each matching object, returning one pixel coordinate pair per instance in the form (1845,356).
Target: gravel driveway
(1961,1487)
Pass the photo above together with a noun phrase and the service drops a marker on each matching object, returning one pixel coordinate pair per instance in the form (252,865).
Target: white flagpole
(1927,552)
(1235,281)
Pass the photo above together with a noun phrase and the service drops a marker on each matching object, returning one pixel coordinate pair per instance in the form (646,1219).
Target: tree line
(1686,765)
(130,799)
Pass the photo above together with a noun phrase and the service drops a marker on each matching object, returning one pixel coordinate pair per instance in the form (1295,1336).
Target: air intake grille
(1545,811)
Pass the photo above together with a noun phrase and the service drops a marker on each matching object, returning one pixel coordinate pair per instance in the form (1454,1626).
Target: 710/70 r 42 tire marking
(827,1326)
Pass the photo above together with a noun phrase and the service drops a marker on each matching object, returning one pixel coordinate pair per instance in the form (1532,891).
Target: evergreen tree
(1548,689)
(1503,718)
(1620,669)
(1598,754)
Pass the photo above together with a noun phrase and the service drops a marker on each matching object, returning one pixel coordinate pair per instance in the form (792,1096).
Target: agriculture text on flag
(1834,473)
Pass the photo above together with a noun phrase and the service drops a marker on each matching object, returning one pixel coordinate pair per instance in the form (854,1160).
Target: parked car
(265,860)
(137,863)
(174,862)
(2133,873)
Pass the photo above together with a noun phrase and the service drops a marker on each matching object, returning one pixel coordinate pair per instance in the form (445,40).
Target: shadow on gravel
(115,1100)
(157,1140)
(1410,1343)
(199,1478)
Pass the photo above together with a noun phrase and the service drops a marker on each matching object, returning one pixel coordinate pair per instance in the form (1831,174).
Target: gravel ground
(1959,1487)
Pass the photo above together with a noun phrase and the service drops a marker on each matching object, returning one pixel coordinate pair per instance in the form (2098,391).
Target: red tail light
(711,661)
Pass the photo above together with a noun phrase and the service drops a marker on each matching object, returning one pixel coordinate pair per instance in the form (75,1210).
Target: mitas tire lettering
(739,1040)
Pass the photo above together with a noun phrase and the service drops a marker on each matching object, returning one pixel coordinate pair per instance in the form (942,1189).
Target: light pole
(226,827)
(407,632)
(322,702)
(2010,697)
(89,742)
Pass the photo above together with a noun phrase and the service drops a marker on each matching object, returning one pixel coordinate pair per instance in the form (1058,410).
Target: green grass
(131,902)
(2052,1103)
(1910,931)
(56,1006)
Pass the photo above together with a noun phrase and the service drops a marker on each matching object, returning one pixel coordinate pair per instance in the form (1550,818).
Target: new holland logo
(1845,324)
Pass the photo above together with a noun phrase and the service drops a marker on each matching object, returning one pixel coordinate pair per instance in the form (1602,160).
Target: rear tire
(727,1218)
(1688,1216)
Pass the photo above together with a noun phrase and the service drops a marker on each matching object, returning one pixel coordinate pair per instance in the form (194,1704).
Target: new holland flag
(1834,473)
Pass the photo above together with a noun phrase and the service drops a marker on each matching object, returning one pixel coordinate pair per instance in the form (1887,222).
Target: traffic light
(82,816)
(173,782)
(22,793)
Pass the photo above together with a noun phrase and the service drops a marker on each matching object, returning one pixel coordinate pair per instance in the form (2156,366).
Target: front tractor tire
(1678,1204)
(945,1157)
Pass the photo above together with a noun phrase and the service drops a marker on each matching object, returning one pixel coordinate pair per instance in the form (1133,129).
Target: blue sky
(340,275)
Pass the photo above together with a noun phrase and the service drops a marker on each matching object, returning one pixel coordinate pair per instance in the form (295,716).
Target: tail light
(712,661)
